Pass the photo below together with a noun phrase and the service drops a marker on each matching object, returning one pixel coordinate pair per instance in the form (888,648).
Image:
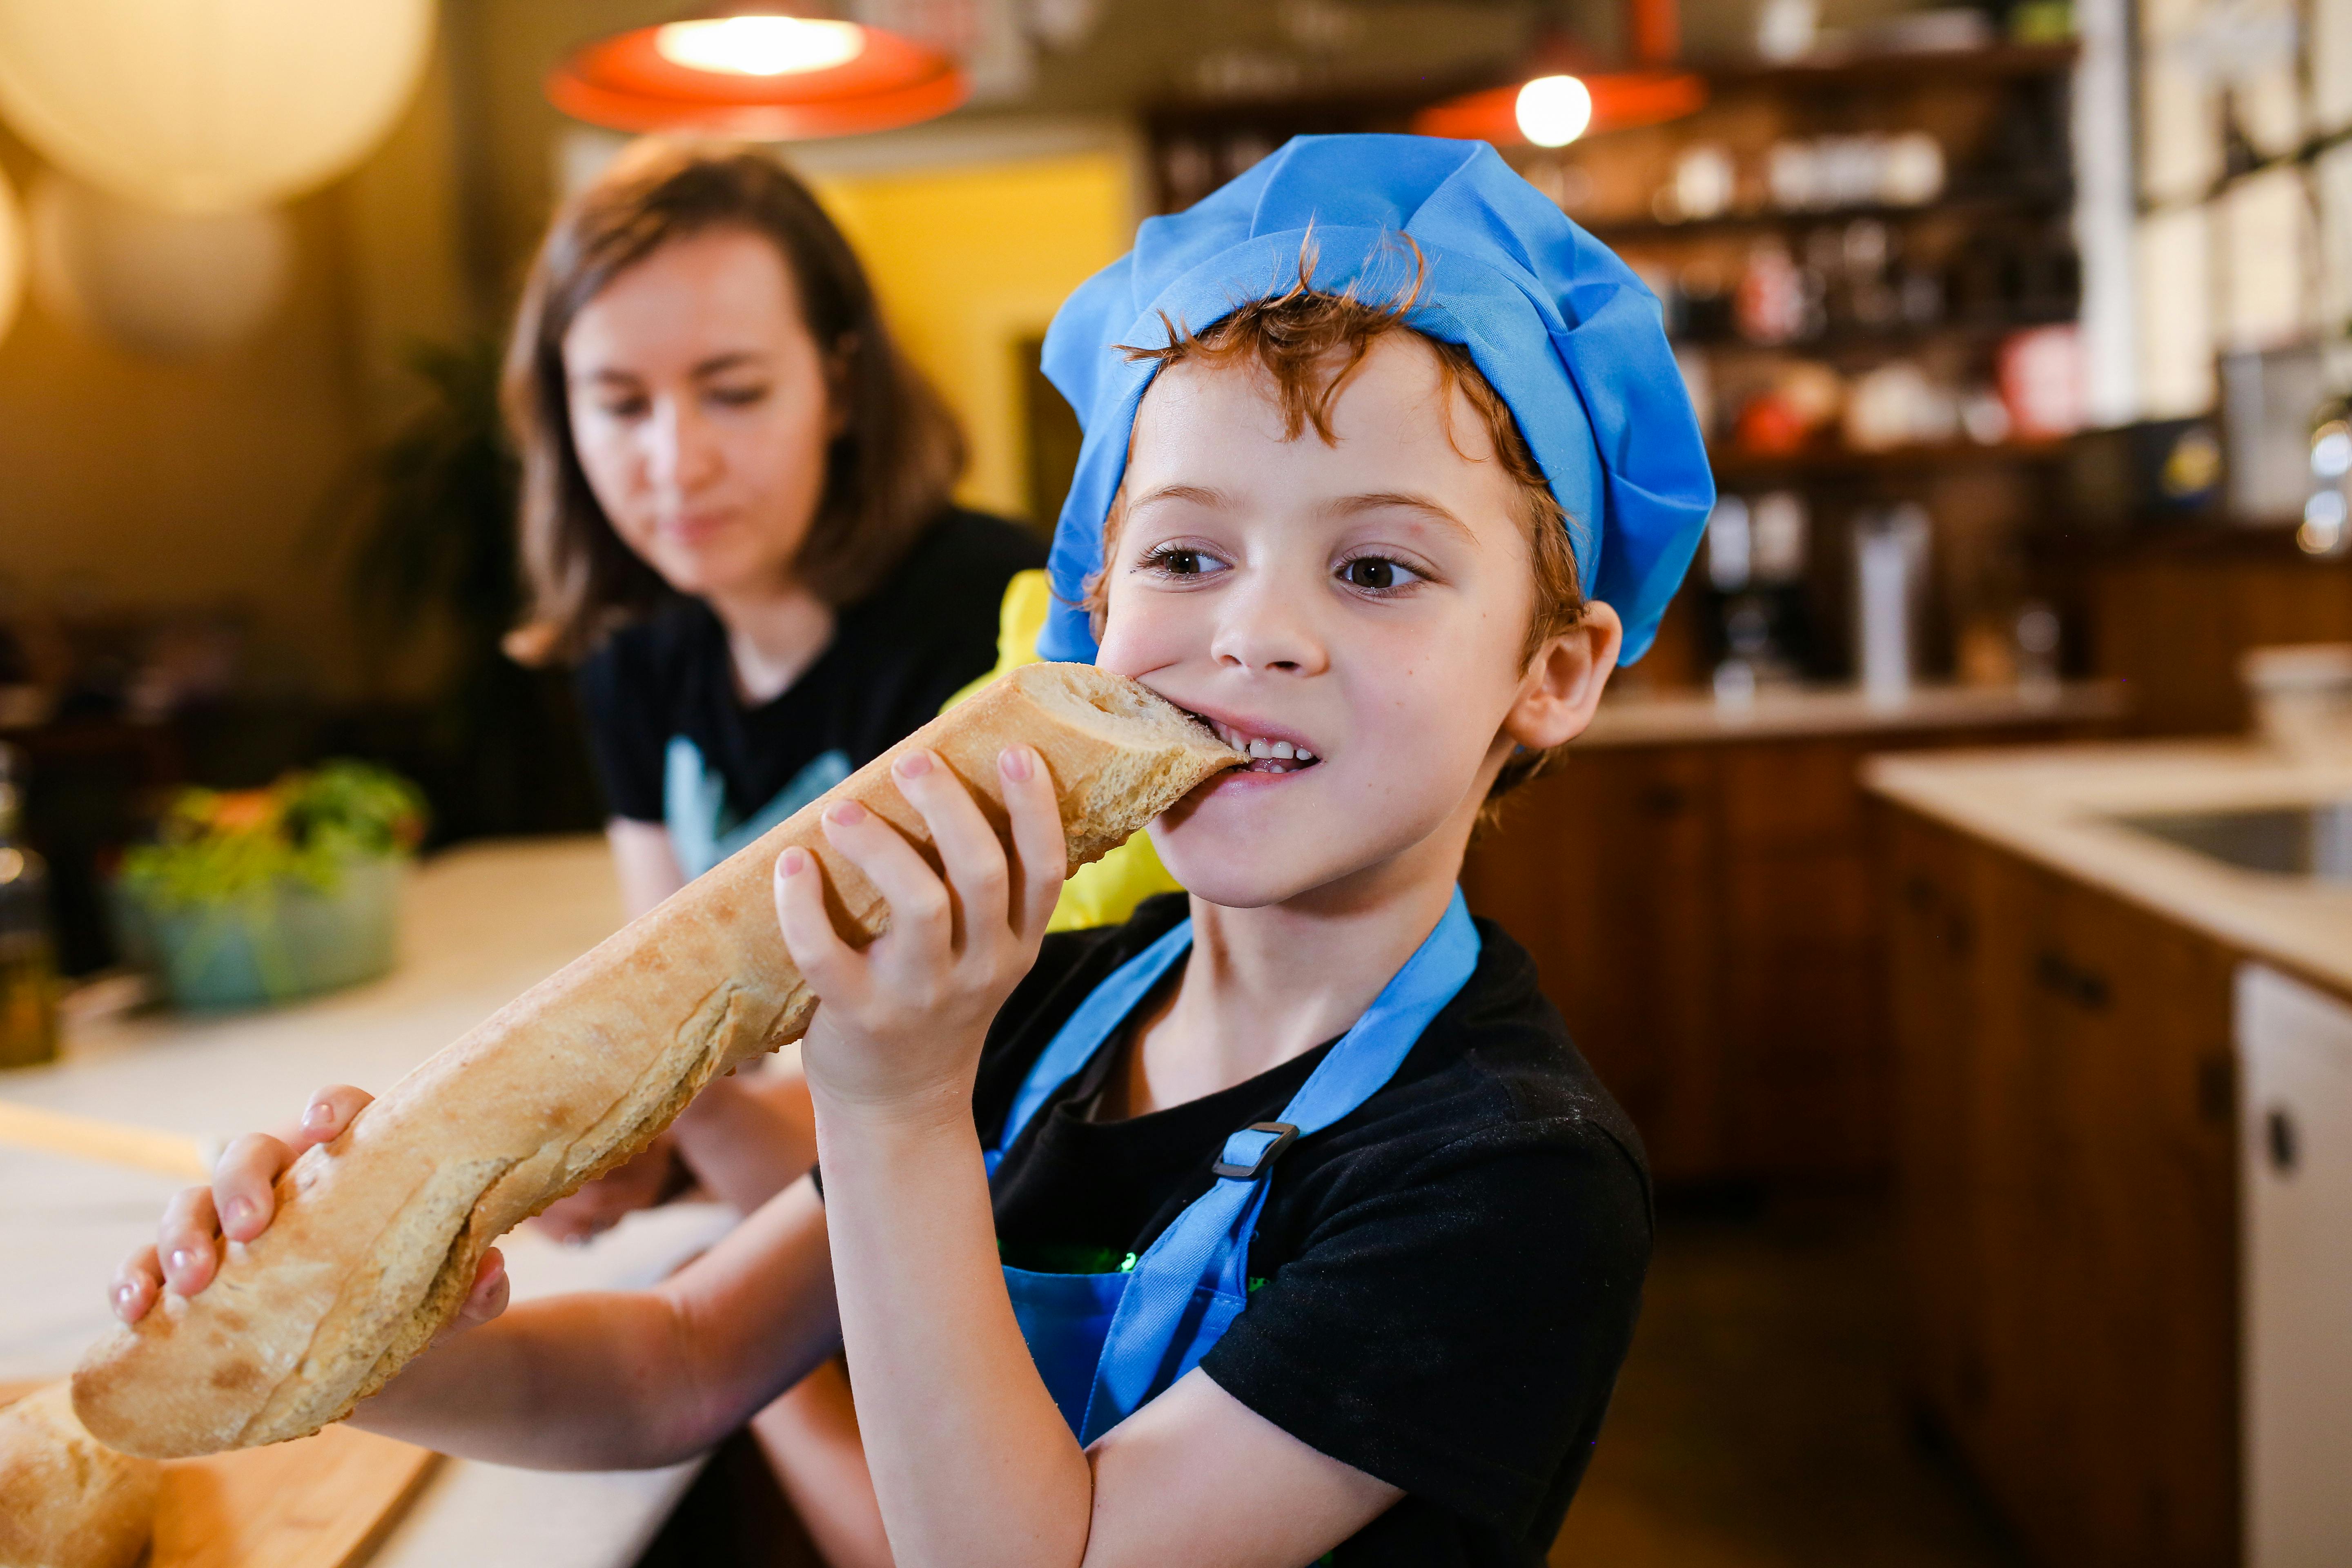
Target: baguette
(67,1502)
(378,1234)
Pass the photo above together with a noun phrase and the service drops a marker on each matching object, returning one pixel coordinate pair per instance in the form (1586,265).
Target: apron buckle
(1278,1136)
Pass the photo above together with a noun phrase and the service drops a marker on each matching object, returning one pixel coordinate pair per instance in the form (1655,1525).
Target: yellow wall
(970,261)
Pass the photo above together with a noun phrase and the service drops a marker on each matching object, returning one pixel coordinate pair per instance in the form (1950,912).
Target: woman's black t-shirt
(1450,1273)
(896,656)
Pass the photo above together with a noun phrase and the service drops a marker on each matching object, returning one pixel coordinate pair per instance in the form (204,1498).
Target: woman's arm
(972,1462)
(606,1381)
(631,1380)
(645,863)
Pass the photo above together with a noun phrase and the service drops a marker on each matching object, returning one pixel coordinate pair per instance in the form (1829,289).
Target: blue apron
(702,832)
(1105,1343)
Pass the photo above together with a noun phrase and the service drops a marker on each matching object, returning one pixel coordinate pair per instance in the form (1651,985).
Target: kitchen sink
(2290,841)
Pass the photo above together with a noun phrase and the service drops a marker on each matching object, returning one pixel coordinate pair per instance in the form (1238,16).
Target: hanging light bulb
(1553,111)
(759,45)
(768,75)
(1555,108)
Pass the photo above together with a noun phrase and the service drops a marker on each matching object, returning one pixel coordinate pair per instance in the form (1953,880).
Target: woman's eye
(738,396)
(625,408)
(1377,573)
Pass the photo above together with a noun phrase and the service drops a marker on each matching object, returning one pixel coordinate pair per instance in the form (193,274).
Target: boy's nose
(1264,628)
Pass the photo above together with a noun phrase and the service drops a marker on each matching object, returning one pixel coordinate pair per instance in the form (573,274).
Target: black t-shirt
(896,656)
(1450,1273)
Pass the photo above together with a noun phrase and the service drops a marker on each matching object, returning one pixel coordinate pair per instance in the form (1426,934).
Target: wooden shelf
(1898,72)
(1623,231)
(1736,466)
(1900,334)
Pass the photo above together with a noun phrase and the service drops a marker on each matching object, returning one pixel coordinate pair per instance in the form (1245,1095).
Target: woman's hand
(902,1022)
(638,1183)
(239,1205)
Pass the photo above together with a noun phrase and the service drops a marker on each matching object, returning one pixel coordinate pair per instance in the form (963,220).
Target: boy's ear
(1565,679)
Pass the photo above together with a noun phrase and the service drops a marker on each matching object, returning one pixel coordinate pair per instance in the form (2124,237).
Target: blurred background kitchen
(1956,898)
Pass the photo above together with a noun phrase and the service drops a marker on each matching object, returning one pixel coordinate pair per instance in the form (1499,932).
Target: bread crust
(378,1234)
(66,1500)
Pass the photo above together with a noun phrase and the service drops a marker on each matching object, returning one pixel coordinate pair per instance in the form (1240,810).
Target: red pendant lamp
(1563,103)
(768,73)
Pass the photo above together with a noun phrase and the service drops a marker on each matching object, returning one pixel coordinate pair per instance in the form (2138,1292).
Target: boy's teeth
(1282,750)
(1260,748)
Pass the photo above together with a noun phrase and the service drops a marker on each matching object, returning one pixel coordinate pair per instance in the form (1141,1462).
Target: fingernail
(848,812)
(182,1261)
(792,861)
(239,1210)
(320,1114)
(913,765)
(1013,763)
(125,1294)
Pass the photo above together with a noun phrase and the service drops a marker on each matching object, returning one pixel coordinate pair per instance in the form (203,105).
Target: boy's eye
(1377,573)
(623,408)
(738,396)
(1180,561)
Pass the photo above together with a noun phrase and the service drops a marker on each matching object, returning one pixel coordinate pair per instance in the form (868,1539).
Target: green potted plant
(258,896)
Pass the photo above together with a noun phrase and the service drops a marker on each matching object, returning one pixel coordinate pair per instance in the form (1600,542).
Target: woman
(736,519)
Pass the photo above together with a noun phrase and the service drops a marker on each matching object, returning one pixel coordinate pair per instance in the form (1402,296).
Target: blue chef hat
(1563,331)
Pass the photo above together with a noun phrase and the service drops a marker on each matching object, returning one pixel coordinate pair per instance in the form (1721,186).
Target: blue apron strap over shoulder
(1157,1321)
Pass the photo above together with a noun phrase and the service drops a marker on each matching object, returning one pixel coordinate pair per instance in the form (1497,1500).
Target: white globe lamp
(161,284)
(204,106)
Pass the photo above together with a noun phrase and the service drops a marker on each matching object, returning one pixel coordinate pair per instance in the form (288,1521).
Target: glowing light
(759,45)
(1553,111)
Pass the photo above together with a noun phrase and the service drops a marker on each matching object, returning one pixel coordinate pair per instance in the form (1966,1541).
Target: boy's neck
(1264,985)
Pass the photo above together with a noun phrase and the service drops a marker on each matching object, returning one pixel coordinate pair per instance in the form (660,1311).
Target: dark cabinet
(2065,1156)
(1706,917)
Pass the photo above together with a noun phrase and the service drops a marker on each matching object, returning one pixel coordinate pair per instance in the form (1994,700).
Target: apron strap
(1083,1033)
(1157,1333)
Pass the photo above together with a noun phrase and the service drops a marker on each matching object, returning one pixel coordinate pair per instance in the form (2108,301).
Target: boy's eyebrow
(1199,495)
(1401,501)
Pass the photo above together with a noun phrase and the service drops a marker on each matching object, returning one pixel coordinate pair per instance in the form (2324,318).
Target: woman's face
(701,408)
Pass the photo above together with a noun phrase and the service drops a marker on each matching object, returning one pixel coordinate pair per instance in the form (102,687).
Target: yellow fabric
(1106,892)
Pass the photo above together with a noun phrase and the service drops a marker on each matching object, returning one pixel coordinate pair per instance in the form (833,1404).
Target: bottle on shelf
(28,970)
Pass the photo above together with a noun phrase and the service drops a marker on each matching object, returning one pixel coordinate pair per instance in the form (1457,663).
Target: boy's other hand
(902,1022)
(242,1199)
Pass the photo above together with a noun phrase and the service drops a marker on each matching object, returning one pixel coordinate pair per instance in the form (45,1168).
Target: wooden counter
(2060,991)
(479,925)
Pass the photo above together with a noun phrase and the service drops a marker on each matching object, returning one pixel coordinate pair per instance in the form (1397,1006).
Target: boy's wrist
(930,1110)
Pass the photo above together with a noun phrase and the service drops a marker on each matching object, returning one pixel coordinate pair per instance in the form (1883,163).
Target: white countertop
(2053,805)
(1695,716)
(480,924)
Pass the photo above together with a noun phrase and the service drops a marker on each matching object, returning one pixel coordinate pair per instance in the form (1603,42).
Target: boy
(1283,1219)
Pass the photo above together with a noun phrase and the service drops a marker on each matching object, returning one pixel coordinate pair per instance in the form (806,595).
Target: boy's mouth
(1267,755)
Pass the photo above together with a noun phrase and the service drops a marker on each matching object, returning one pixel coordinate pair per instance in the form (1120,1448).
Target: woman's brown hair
(888,473)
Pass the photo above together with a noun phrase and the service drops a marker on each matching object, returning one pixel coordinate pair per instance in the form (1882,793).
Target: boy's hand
(902,1022)
(239,1205)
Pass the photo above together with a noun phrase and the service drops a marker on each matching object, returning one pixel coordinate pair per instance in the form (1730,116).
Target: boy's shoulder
(1495,1072)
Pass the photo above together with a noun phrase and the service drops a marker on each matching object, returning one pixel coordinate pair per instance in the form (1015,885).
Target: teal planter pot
(285,941)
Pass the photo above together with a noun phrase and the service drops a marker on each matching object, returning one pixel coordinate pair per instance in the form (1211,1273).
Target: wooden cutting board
(320,1502)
